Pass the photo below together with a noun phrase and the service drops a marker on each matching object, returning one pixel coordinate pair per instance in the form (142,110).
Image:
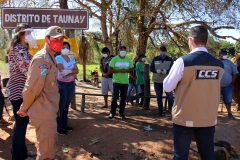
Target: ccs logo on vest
(207,74)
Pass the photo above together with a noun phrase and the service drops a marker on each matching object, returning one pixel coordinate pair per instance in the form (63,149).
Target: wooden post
(83,103)
(147,89)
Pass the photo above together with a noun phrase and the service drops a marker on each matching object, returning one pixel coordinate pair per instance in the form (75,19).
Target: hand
(105,75)
(159,71)
(164,71)
(21,113)
(65,72)
(123,70)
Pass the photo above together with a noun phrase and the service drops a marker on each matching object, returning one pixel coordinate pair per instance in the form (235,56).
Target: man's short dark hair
(199,35)
(163,49)
(105,50)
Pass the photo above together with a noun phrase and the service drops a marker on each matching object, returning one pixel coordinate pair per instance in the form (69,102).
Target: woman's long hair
(19,32)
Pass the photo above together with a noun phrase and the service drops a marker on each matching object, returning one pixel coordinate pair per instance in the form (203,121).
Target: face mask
(122,53)
(105,55)
(143,59)
(162,55)
(55,45)
(30,38)
(225,57)
(65,51)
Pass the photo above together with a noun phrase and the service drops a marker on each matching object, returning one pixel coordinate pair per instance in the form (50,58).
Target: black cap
(122,46)
(141,55)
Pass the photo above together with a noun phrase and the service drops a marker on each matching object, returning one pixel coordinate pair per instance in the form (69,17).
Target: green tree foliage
(237,47)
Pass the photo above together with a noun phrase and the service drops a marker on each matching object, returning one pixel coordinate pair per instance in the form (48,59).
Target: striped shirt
(19,59)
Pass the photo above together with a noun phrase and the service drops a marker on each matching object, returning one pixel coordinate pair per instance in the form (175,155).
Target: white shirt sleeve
(174,76)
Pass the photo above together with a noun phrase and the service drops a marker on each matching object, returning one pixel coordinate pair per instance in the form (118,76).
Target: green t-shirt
(118,63)
(139,73)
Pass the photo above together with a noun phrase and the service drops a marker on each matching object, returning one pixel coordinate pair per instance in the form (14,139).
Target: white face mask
(105,55)
(143,59)
(225,57)
(122,53)
(30,38)
(31,41)
(65,51)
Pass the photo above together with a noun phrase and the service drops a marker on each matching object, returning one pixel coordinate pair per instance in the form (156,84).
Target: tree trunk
(147,89)
(143,35)
(104,29)
(142,43)
(84,71)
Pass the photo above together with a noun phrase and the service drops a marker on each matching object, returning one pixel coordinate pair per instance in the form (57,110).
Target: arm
(101,68)
(129,70)
(22,60)
(152,66)
(34,83)
(74,71)
(112,70)
(174,76)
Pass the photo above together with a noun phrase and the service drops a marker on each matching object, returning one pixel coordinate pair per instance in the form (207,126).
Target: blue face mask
(162,55)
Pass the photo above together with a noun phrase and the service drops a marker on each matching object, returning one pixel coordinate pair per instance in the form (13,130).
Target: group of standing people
(120,75)
(40,88)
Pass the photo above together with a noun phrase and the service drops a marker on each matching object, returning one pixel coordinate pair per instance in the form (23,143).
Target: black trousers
(122,89)
(1,104)
(19,148)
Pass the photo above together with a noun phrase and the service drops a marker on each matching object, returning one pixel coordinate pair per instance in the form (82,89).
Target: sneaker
(230,116)
(62,132)
(110,116)
(131,101)
(104,106)
(68,129)
(5,123)
(122,117)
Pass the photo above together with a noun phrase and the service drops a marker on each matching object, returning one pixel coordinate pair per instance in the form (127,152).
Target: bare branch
(156,47)
(88,8)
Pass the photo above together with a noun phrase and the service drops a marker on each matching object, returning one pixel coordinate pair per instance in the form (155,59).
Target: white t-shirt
(66,65)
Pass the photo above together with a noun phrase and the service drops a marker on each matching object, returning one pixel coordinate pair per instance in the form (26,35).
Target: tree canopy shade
(163,19)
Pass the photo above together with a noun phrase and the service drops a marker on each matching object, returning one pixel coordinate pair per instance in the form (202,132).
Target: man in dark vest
(160,68)
(196,80)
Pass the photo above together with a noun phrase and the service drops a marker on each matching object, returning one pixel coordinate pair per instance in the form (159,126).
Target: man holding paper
(160,67)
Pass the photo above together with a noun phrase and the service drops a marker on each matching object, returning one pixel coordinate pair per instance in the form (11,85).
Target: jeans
(122,88)
(204,138)
(19,148)
(130,87)
(227,93)
(158,87)
(1,104)
(66,90)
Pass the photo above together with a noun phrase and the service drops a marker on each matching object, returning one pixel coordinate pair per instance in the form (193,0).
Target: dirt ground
(117,139)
